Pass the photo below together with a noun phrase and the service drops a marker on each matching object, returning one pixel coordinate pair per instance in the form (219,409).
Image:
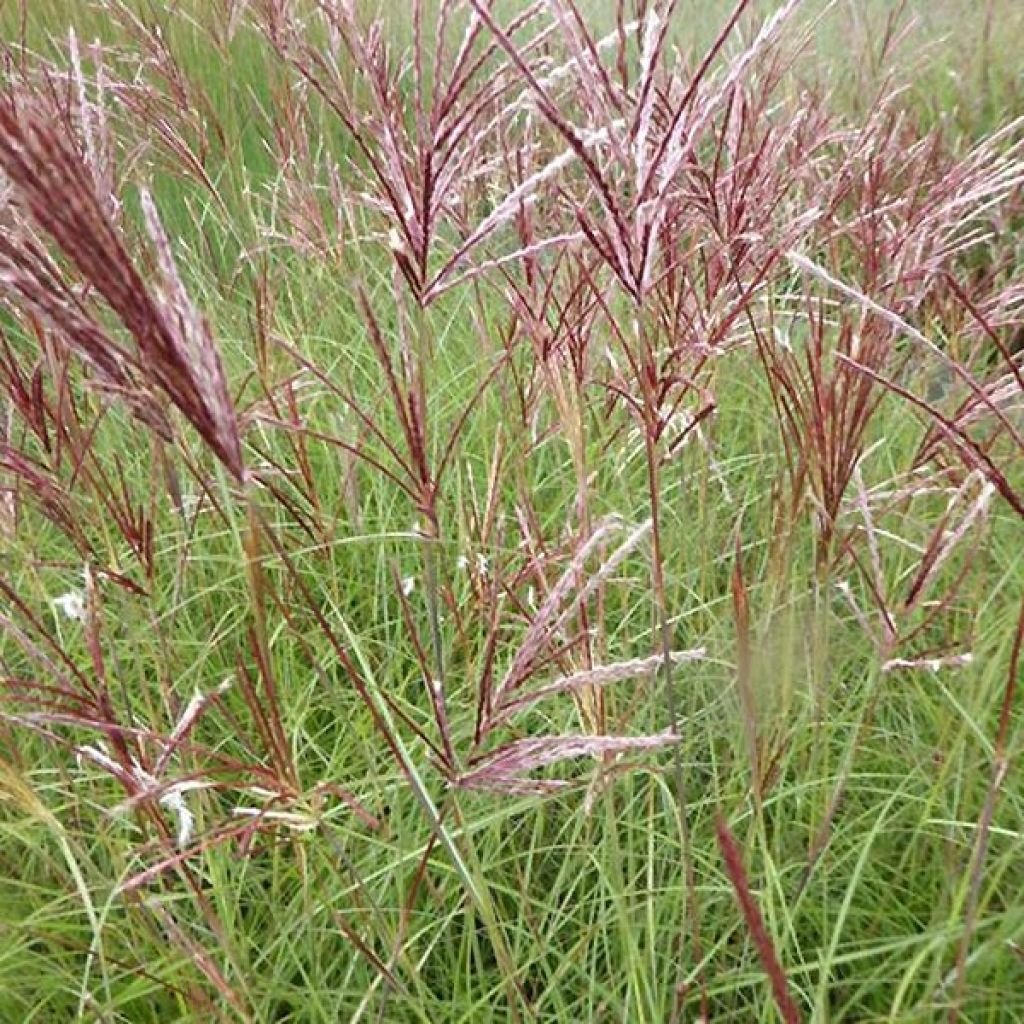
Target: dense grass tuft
(510,511)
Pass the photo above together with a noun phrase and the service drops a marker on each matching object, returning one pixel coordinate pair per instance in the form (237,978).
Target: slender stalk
(466,861)
(665,634)
(431,586)
(421,349)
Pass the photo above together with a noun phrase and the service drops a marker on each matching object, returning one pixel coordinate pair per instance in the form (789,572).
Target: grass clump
(507,514)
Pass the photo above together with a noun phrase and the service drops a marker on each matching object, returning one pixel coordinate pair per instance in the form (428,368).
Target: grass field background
(226,791)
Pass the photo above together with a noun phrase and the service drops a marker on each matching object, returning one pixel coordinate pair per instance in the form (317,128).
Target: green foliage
(336,870)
